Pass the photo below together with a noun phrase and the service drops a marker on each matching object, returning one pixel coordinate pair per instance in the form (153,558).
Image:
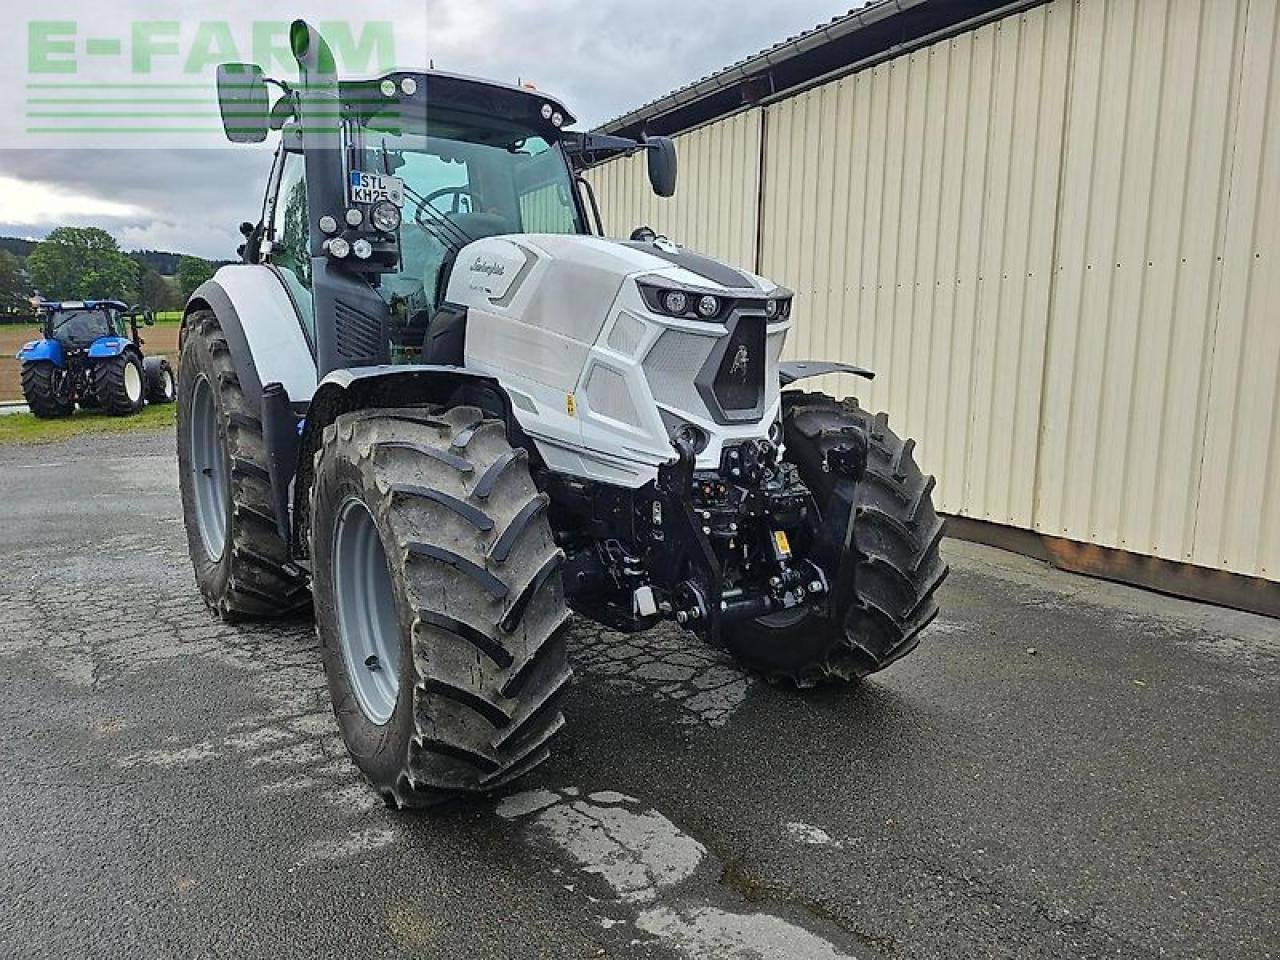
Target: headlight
(362,248)
(385,217)
(685,304)
(328,225)
(354,217)
(339,248)
(675,303)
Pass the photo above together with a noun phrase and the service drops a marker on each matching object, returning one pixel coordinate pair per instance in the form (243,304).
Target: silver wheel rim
(208,471)
(167,384)
(365,604)
(132,382)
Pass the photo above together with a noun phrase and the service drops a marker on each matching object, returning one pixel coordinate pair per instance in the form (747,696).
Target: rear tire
(897,535)
(159,376)
(241,562)
(45,389)
(119,384)
(439,603)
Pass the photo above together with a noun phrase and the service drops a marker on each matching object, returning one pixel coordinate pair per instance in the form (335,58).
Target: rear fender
(365,388)
(42,351)
(104,348)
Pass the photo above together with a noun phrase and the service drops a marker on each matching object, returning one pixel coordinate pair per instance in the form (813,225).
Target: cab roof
(450,91)
(58,307)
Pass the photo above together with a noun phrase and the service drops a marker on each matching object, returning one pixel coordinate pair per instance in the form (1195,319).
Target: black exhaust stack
(352,321)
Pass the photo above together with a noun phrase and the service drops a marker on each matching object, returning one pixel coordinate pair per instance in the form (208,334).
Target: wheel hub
(365,608)
(132,382)
(208,471)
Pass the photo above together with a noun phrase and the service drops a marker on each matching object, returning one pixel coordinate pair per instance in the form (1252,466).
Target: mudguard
(406,385)
(104,348)
(37,351)
(263,328)
(793,371)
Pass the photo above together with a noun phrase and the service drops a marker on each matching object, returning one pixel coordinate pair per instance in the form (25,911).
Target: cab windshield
(465,179)
(81,326)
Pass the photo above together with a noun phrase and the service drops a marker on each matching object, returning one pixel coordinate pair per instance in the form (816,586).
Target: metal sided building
(1053,228)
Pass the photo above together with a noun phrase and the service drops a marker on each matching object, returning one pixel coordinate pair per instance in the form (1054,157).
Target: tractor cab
(77,325)
(382,183)
(104,325)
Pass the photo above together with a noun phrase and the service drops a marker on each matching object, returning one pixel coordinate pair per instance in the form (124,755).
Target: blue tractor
(91,354)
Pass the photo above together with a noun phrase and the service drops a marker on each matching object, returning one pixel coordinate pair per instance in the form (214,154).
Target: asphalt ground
(1065,768)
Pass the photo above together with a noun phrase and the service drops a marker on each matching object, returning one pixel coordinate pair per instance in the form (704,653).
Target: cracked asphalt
(1066,768)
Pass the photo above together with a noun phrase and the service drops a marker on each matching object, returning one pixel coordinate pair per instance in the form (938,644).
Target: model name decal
(490,267)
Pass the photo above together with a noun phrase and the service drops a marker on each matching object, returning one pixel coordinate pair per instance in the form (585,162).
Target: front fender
(46,351)
(793,371)
(363,388)
(104,348)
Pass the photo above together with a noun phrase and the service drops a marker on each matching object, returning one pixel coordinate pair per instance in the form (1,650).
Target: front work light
(385,217)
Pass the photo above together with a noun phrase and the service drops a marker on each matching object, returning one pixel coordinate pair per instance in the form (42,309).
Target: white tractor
(437,405)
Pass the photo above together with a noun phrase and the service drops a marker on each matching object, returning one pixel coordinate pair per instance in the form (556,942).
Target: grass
(26,428)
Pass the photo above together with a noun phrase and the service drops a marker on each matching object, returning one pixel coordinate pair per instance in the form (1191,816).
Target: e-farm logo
(153,77)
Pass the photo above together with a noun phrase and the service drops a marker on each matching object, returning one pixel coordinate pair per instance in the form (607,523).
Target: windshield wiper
(448,233)
(438,225)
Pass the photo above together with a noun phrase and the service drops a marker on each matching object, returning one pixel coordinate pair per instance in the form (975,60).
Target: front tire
(45,388)
(897,536)
(119,384)
(439,604)
(241,562)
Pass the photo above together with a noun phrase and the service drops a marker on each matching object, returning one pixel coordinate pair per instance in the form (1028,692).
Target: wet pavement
(1066,768)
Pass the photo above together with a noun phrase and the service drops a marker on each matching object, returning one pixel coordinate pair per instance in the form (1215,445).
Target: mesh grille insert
(672,366)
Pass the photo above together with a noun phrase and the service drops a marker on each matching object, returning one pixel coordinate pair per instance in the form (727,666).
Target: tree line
(86,263)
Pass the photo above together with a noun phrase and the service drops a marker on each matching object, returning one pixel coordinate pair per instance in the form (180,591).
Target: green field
(25,428)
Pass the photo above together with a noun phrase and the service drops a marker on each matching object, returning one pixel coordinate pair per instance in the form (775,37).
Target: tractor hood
(601,346)
(496,266)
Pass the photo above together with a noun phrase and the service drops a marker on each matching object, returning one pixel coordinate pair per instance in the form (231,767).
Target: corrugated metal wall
(1055,238)
(1238,520)
(912,206)
(716,209)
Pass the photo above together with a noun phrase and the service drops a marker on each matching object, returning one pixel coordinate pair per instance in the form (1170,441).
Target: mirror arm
(595,206)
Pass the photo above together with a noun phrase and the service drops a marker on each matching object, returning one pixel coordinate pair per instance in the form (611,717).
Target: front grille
(739,380)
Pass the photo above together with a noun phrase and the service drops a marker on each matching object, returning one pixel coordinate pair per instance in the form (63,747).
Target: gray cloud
(602,58)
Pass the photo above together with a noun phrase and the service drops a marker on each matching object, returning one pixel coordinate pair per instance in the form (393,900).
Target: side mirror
(244,101)
(662,165)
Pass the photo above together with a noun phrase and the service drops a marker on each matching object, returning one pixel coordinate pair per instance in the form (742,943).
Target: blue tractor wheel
(119,384)
(47,390)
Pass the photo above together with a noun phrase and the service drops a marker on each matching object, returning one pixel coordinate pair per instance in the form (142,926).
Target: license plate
(376,188)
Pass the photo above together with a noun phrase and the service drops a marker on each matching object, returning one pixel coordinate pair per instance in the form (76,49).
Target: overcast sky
(602,57)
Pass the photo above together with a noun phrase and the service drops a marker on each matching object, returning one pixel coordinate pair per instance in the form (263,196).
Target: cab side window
(290,238)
